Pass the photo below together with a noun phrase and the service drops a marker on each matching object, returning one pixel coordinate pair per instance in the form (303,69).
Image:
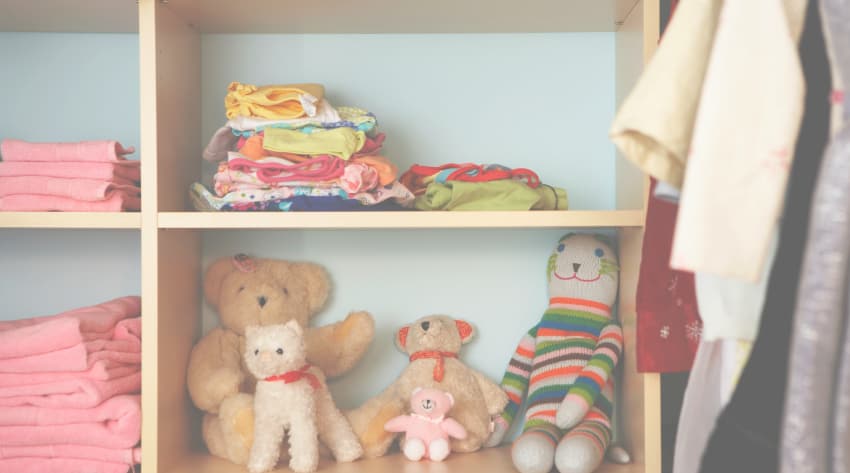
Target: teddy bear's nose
(576,266)
(262,300)
(425,325)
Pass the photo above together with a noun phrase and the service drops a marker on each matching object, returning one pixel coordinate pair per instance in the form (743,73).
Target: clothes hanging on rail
(815,417)
(746,436)
(741,145)
(668,321)
(653,126)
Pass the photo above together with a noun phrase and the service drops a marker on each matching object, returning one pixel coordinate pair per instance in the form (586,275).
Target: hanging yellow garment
(273,102)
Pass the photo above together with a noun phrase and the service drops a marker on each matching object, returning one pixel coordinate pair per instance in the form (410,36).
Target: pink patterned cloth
(123,172)
(115,202)
(104,150)
(126,456)
(74,188)
(63,465)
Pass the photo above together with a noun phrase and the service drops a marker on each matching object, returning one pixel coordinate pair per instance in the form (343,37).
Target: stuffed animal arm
(427,429)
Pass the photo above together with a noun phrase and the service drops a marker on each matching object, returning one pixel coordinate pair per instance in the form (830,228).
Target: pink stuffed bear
(427,429)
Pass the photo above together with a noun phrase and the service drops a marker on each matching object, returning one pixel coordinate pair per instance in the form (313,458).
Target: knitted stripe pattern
(571,352)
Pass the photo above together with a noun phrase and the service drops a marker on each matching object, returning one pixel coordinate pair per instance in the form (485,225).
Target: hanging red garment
(668,322)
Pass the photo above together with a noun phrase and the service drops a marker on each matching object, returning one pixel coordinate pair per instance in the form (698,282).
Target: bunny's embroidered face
(274,349)
(584,267)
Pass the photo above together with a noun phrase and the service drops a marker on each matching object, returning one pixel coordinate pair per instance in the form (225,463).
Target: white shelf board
(82,220)
(412,219)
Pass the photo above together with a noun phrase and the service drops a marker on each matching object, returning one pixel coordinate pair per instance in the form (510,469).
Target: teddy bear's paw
(414,449)
(304,463)
(260,465)
(358,325)
(223,384)
(348,451)
(438,450)
(500,428)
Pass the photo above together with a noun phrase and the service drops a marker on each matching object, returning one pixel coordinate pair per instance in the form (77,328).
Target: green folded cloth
(492,195)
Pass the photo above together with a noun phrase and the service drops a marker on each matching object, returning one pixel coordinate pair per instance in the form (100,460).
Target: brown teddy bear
(247,292)
(433,344)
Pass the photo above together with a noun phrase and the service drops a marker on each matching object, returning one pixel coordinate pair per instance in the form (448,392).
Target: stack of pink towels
(69,390)
(89,176)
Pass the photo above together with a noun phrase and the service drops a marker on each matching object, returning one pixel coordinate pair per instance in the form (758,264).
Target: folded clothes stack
(69,390)
(88,176)
(480,187)
(285,148)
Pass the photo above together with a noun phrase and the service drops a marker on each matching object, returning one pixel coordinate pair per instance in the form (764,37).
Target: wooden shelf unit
(169,48)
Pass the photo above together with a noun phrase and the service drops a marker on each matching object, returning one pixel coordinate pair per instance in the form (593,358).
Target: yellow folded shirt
(274,102)
(340,142)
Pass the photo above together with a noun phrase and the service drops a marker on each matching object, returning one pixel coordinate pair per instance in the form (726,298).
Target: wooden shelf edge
(66,220)
(364,220)
(491,460)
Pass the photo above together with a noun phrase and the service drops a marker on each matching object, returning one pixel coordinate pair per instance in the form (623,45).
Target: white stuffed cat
(292,396)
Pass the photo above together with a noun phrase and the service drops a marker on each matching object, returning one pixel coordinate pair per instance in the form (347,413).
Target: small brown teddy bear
(247,292)
(433,344)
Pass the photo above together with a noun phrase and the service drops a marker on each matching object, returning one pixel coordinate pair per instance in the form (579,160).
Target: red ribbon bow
(297,375)
(440,356)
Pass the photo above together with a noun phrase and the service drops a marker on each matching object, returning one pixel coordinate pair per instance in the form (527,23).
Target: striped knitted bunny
(562,366)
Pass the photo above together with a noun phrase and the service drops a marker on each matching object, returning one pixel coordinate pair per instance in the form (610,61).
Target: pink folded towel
(120,172)
(75,392)
(104,150)
(117,202)
(114,424)
(42,338)
(63,465)
(73,358)
(79,189)
(101,370)
(120,409)
(126,456)
(100,319)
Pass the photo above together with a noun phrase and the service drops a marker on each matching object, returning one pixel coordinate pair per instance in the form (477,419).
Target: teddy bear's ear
(465,330)
(295,327)
(213,278)
(318,284)
(401,338)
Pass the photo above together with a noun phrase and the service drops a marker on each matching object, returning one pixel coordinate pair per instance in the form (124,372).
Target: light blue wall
(70,87)
(67,87)
(543,101)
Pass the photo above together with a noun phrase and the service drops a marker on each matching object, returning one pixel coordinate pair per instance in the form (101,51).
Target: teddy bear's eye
(599,252)
(279,351)
(241,288)
(286,291)
(561,247)
(256,352)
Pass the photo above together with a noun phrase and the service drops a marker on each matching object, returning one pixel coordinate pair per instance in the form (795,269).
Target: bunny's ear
(401,338)
(465,330)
